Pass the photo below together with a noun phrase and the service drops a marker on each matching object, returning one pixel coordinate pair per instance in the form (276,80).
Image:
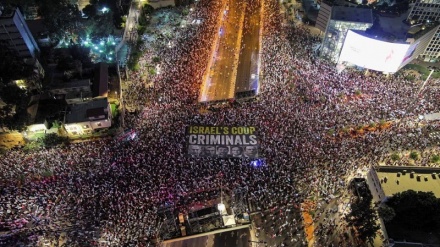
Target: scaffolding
(240,200)
(204,220)
(167,226)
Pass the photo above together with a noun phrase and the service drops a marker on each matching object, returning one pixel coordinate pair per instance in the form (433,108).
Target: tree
(386,212)
(12,67)
(414,155)
(362,216)
(395,157)
(435,158)
(52,139)
(23,5)
(90,11)
(12,94)
(103,25)
(32,146)
(114,13)
(416,210)
(61,17)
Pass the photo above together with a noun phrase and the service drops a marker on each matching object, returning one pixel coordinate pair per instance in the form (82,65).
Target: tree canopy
(12,67)
(362,216)
(60,16)
(416,210)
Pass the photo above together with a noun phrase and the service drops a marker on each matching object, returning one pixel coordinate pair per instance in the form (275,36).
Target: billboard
(410,51)
(373,54)
(222,142)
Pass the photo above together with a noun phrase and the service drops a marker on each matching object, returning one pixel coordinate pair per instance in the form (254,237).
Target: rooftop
(100,83)
(6,12)
(96,109)
(398,179)
(352,14)
(72,84)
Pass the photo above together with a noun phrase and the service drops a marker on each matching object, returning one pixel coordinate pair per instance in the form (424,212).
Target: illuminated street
(274,171)
(236,52)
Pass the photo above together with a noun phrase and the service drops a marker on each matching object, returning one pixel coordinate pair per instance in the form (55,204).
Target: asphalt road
(230,70)
(250,48)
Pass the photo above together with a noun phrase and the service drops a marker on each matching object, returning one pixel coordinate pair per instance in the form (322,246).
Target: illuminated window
(85,126)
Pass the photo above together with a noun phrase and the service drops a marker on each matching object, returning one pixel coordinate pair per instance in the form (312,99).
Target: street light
(424,83)
(221,207)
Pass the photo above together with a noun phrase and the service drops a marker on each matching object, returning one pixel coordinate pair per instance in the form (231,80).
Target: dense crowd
(110,191)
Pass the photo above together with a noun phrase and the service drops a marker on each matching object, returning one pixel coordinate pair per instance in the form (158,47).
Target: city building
(86,117)
(101,80)
(337,20)
(386,181)
(15,34)
(353,38)
(427,11)
(382,53)
(73,92)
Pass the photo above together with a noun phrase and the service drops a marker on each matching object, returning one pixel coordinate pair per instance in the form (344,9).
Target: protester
(109,192)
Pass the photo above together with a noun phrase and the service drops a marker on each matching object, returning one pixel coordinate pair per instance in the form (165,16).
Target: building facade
(337,21)
(84,118)
(15,34)
(428,11)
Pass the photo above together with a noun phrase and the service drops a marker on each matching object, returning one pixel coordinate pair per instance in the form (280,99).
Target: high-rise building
(336,21)
(427,11)
(15,34)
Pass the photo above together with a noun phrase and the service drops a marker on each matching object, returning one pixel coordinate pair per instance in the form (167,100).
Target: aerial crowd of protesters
(108,191)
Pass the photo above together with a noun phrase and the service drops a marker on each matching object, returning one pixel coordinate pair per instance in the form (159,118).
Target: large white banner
(373,54)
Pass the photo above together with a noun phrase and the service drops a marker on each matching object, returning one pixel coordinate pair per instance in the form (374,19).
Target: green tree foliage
(90,11)
(156,59)
(32,146)
(133,62)
(115,13)
(147,9)
(60,16)
(52,139)
(416,210)
(17,99)
(435,158)
(81,54)
(362,216)
(12,67)
(414,155)
(98,24)
(12,94)
(103,25)
(23,5)
(386,212)
(395,157)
